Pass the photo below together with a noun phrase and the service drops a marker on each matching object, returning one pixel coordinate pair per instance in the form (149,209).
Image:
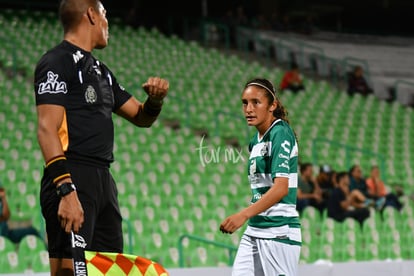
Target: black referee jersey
(71,77)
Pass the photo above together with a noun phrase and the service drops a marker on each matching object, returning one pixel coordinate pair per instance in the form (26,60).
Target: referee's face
(256,107)
(102,31)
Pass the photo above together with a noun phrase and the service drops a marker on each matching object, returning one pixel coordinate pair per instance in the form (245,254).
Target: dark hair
(351,170)
(294,66)
(304,167)
(280,112)
(325,169)
(71,12)
(340,176)
(357,67)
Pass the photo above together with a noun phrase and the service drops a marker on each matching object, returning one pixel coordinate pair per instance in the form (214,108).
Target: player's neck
(264,127)
(80,40)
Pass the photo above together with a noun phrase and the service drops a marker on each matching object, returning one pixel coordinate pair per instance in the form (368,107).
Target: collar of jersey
(74,47)
(258,134)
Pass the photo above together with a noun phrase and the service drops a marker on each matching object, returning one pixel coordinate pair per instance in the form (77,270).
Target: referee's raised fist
(156,87)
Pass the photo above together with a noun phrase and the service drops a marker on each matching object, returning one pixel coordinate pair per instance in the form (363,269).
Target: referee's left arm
(145,114)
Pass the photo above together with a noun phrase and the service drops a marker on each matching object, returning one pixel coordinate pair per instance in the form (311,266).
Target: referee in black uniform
(76,95)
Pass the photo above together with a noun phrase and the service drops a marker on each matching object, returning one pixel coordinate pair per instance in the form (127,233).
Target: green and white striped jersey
(274,155)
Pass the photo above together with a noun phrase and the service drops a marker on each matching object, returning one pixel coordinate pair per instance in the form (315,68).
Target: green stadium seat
(40,262)
(6,245)
(178,191)
(10,263)
(406,242)
(31,243)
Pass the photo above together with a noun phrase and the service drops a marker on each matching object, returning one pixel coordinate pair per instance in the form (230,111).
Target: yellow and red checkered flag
(117,264)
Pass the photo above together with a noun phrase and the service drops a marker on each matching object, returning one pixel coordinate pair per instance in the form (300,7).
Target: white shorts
(262,257)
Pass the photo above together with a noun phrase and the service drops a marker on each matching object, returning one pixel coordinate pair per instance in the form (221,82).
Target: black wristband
(65,189)
(57,169)
(151,109)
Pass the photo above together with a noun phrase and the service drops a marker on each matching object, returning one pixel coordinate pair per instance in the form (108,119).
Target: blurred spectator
(357,82)
(309,193)
(333,175)
(229,19)
(308,26)
(14,234)
(326,180)
(4,211)
(292,79)
(261,22)
(358,182)
(324,177)
(235,18)
(276,24)
(377,189)
(344,203)
(286,25)
(241,18)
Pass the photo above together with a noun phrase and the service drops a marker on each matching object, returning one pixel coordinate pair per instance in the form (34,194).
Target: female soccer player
(271,243)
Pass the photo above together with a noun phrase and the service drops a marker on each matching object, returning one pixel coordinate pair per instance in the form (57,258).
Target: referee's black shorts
(97,192)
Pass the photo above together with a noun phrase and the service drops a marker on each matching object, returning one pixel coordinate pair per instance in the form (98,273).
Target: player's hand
(70,213)
(232,223)
(156,88)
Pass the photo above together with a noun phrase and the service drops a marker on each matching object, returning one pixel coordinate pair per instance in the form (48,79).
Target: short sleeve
(120,94)
(282,146)
(51,78)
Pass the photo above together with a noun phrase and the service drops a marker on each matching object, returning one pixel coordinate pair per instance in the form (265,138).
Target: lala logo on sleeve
(52,85)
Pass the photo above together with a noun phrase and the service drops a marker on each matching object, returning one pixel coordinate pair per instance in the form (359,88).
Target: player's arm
(279,190)
(145,114)
(50,119)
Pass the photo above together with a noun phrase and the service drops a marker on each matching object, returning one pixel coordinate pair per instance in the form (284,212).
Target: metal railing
(231,249)
(212,31)
(349,150)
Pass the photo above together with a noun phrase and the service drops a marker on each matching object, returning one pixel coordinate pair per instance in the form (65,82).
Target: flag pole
(78,245)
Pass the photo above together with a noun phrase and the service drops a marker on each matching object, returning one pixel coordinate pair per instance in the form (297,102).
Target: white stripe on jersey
(295,150)
(260,180)
(257,149)
(294,234)
(281,209)
(293,180)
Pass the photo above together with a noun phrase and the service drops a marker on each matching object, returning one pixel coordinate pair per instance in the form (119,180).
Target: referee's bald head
(71,12)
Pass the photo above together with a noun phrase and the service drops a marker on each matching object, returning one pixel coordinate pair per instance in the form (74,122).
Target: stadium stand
(386,60)
(184,174)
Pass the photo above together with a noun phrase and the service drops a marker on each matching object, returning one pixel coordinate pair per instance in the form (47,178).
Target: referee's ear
(90,12)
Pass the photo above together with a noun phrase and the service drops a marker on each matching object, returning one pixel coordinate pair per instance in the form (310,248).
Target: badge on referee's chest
(90,95)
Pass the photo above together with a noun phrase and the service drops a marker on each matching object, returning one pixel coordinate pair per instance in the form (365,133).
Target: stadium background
(174,182)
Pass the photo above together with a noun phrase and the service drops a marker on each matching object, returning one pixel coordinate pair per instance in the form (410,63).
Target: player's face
(256,107)
(102,24)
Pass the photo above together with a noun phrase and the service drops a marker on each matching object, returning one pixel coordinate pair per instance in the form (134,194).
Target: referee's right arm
(50,119)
